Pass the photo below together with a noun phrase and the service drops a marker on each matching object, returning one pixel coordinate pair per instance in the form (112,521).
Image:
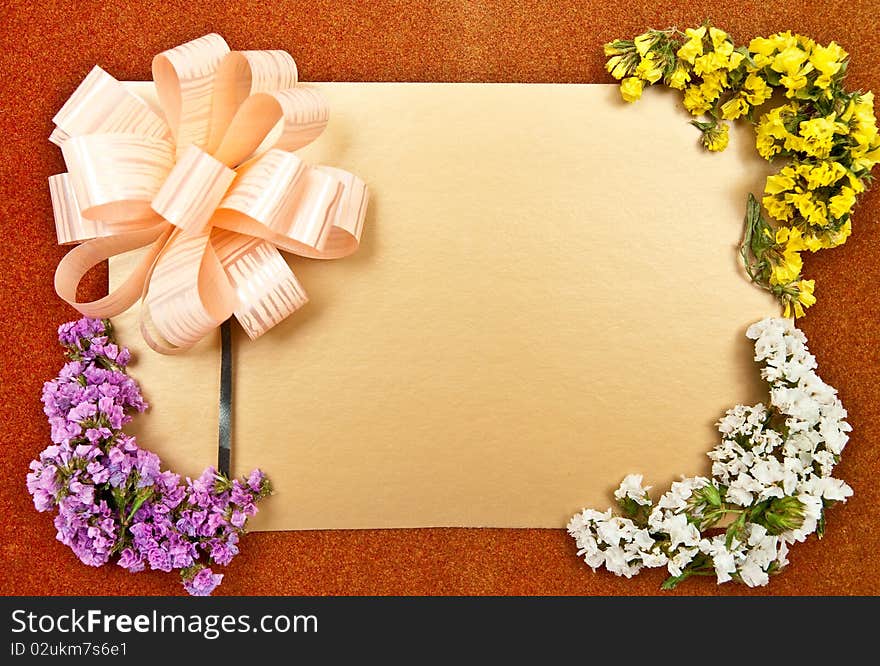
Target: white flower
(826,461)
(755,460)
(677,496)
(760,553)
(643,540)
(782,555)
(828,488)
(631,487)
(680,560)
(653,559)
(723,560)
(741,489)
(768,471)
(614,530)
(680,531)
(753,575)
(617,562)
(833,430)
(812,513)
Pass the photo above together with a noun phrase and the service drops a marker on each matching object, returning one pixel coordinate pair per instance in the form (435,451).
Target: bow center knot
(194,188)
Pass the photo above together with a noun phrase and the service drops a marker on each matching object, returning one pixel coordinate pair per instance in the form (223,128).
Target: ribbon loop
(184,79)
(116,176)
(242,74)
(102,105)
(303,115)
(81,259)
(213,189)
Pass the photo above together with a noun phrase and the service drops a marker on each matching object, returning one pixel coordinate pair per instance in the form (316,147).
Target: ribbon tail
(224,448)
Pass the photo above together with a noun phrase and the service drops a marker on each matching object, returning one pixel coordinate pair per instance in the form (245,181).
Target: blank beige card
(548,296)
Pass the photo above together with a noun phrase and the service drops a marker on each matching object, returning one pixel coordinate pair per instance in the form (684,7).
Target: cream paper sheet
(547,297)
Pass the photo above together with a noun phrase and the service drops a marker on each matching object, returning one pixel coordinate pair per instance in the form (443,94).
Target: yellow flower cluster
(827,136)
(711,55)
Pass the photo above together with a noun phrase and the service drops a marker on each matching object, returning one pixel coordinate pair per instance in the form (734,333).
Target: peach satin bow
(212,189)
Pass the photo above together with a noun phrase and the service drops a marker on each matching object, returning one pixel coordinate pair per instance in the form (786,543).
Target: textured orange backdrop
(46,50)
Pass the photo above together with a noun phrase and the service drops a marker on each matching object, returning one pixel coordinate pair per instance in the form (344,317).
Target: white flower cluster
(771,481)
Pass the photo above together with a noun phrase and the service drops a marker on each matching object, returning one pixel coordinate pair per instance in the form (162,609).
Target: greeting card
(546,289)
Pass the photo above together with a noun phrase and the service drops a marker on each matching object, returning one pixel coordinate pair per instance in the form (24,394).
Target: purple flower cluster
(112,496)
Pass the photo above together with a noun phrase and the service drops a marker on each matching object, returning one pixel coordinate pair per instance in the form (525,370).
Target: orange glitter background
(46,51)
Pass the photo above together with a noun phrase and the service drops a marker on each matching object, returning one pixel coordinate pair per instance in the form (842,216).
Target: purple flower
(203,583)
(159,559)
(222,553)
(131,560)
(110,494)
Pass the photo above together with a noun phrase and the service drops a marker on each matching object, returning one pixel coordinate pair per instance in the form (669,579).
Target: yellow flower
(793,143)
(788,270)
(771,130)
(734,60)
(867,159)
(825,173)
(713,85)
(706,63)
(784,40)
(679,77)
(724,50)
(762,46)
(828,58)
(694,46)
(805,42)
(716,138)
(762,51)
(791,237)
(784,257)
(644,43)
(695,102)
(718,37)
(797,296)
(613,48)
(835,237)
(796,81)
(778,208)
(818,134)
(828,61)
(780,182)
(818,239)
(863,128)
(649,70)
(734,108)
(789,60)
(631,89)
(814,211)
(766,145)
(841,204)
(618,66)
(863,112)
(756,89)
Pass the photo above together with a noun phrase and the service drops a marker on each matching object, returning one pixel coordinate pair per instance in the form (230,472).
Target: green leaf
(140,497)
(735,530)
(672,582)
